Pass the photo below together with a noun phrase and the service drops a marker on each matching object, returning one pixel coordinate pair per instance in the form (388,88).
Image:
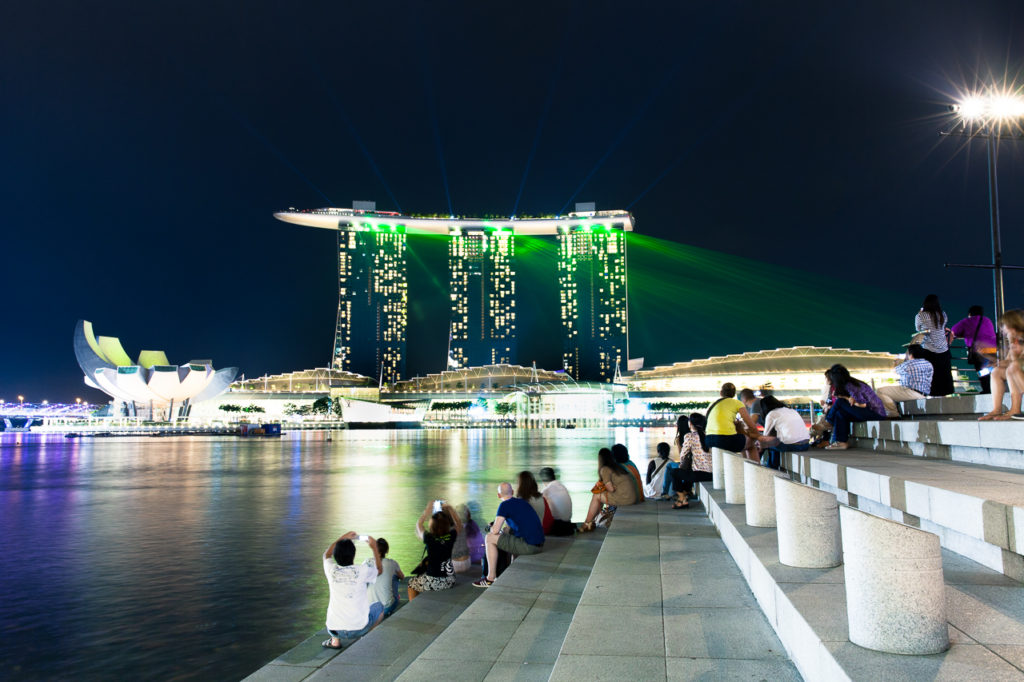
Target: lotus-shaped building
(152,384)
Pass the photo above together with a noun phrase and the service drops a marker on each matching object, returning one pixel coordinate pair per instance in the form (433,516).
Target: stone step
(807,608)
(976,511)
(951,405)
(666,602)
(990,443)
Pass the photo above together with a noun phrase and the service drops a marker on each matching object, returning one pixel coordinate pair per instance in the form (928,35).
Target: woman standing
(439,541)
(932,321)
(979,334)
(616,487)
(855,401)
(694,461)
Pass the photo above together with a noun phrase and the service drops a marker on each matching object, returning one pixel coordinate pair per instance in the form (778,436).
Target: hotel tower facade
(373,295)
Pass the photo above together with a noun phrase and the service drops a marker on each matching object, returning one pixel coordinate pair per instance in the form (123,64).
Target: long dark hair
(841,380)
(605,458)
(769,403)
(931,305)
(699,422)
(682,428)
(526,487)
(440,524)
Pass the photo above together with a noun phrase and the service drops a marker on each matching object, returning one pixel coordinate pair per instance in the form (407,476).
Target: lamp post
(992,115)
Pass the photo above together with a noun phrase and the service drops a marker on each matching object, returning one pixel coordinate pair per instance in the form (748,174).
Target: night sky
(144,147)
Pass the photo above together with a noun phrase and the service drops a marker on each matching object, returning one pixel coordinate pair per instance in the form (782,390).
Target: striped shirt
(935,338)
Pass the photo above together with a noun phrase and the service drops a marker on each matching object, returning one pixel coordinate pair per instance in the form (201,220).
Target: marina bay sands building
(373,296)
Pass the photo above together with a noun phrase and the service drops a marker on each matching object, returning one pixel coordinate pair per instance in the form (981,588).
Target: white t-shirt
(788,424)
(382,589)
(559,501)
(349,608)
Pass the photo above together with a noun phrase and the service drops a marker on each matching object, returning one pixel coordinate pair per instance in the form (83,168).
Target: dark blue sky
(144,147)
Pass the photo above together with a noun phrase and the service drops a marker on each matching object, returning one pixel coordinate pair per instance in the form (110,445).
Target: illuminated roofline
(794,352)
(349,219)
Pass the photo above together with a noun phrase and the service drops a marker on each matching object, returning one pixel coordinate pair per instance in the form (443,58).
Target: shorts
(376,610)
(516,545)
(430,583)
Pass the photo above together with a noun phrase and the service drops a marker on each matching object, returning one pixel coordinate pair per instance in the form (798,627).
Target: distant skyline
(146,148)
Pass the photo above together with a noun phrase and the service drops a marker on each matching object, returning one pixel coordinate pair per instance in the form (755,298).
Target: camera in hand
(437,505)
(363,538)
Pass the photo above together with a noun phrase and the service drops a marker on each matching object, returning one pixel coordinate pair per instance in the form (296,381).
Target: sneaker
(483,582)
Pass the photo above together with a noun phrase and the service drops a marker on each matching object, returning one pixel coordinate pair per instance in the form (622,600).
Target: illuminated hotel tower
(592,293)
(482,290)
(369,337)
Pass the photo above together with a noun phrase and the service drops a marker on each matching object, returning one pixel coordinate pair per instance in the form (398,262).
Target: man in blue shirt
(525,536)
(915,374)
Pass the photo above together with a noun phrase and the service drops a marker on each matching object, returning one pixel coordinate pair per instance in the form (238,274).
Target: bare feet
(990,416)
(1004,417)
(837,446)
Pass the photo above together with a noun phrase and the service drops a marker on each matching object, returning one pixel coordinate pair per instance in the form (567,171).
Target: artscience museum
(151,387)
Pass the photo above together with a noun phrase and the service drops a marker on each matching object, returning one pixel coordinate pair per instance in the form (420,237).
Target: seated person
(474,538)
(559,502)
(526,489)
(439,540)
(721,423)
(854,401)
(657,468)
(614,487)
(349,611)
(460,550)
(1010,370)
(694,460)
(525,536)
(915,375)
(784,431)
(385,587)
(621,454)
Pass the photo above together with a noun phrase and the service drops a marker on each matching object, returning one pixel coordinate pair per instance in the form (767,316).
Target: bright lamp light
(992,107)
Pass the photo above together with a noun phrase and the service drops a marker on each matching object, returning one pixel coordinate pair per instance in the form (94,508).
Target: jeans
(772,457)
(842,414)
(376,609)
(666,486)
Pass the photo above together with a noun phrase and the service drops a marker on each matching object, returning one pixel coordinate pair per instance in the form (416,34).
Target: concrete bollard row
(759,491)
(808,525)
(718,456)
(732,465)
(895,590)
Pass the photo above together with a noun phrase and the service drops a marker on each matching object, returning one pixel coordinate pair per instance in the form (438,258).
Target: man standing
(525,536)
(349,613)
(915,374)
(559,501)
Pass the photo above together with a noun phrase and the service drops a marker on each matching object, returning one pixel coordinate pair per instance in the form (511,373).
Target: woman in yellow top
(721,428)
(619,488)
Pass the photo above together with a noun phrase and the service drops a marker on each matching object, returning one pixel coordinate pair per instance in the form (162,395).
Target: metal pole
(997,245)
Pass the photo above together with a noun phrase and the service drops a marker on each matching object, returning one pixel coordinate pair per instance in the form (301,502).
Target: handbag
(973,356)
(598,488)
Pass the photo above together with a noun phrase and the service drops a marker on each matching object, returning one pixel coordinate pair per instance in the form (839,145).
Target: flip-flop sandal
(327,645)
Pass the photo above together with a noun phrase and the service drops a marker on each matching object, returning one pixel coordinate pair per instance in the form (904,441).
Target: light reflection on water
(192,557)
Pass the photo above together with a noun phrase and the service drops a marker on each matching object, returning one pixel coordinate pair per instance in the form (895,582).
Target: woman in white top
(932,321)
(784,431)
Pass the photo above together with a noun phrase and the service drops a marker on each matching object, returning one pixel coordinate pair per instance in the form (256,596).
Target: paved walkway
(666,601)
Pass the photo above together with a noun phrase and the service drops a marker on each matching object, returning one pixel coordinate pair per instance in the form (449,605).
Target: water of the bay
(189,557)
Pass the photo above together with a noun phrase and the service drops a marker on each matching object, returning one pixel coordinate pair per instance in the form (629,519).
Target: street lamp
(21,399)
(992,115)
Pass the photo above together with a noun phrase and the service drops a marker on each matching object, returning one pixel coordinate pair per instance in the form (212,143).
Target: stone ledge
(978,512)
(807,609)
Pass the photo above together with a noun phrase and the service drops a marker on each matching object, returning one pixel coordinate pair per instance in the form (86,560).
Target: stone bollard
(718,456)
(759,492)
(808,523)
(732,465)
(895,591)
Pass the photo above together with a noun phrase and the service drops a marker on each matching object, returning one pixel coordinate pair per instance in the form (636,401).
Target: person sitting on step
(615,487)
(385,587)
(855,401)
(1010,369)
(349,612)
(915,375)
(525,534)
(694,460)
